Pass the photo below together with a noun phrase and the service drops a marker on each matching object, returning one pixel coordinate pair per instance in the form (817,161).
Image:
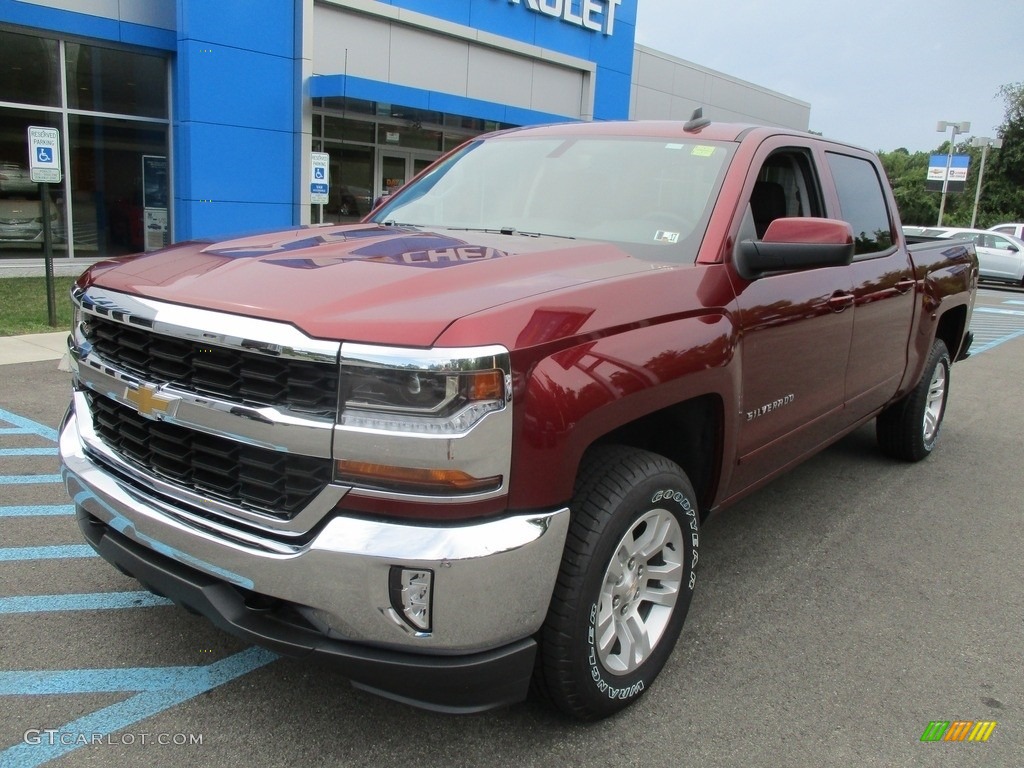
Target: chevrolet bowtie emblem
(150,402)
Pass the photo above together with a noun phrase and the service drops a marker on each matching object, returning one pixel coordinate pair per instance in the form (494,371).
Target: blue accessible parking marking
(8,554)
(158,689)
(43,510)
(28,479)
(23,426)
(993,326)
(153,689)
(84,602)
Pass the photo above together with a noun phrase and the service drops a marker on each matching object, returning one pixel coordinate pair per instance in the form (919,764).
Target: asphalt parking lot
(838,613)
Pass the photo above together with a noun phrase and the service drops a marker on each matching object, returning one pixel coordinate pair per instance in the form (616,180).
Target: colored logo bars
(958,730)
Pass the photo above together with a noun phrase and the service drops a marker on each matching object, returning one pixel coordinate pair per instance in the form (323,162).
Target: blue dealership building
(184,119)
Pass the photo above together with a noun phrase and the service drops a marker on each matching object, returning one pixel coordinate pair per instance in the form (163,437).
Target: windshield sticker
(702,150)
(666,237)
(674,146)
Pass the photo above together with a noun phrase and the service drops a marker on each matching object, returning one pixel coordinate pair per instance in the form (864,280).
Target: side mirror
(1012,248)
(796,244)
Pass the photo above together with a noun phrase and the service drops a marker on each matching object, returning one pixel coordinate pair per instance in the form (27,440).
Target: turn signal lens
(412,479)
(485,385)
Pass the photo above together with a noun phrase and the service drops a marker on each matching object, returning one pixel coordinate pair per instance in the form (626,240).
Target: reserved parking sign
(44,155)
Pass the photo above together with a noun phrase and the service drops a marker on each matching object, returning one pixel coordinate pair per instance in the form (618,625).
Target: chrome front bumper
(492,579)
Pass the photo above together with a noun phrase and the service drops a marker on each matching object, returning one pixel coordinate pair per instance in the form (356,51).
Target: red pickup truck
(470,441)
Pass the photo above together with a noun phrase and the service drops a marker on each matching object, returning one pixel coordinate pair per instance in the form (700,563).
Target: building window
(114,128)
(29,70)
(113,81)
(110,182)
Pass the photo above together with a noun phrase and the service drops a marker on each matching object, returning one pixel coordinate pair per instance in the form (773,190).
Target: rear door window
(862,200)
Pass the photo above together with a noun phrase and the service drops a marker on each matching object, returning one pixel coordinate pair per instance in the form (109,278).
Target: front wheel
(625,583)
(909,428)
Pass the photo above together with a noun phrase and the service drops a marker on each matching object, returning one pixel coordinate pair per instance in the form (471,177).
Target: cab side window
(862,202)
(786,186)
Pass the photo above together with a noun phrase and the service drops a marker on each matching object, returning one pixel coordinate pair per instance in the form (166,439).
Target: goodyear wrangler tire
(909,429)
(625,583)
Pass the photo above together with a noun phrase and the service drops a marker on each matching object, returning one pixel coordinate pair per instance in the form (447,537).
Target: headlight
(420,391)
(416,421)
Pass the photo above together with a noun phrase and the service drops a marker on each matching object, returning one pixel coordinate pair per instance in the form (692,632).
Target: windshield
(652,196)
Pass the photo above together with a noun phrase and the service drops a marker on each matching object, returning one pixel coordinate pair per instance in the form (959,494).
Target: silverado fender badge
(769,407)
(150,402)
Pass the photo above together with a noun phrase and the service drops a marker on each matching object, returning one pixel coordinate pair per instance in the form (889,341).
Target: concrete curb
(33,348)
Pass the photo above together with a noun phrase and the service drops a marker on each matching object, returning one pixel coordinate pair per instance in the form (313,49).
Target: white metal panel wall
(378,48)
(667,88)
(350,44)
(430,62)
(500,77)
(153,13)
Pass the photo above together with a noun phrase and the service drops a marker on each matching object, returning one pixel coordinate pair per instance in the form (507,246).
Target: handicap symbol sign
(319,173)
(44,154)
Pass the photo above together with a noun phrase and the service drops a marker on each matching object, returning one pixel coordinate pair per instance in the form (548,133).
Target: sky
(877,73)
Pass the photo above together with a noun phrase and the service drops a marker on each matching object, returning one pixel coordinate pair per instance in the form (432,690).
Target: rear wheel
(909,429)
(625,583)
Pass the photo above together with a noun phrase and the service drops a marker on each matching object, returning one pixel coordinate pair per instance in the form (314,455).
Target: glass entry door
(396,168)
(393,172)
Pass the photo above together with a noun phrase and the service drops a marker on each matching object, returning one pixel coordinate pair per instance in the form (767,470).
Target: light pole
(984,142)
(954,128)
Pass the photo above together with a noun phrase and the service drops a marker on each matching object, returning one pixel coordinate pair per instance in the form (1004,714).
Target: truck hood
(365,282)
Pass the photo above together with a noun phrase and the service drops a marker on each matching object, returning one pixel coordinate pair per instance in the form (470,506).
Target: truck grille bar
(270,482)
(245,377)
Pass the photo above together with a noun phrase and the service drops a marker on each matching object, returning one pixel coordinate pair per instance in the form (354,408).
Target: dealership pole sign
(595,15)
(957,172)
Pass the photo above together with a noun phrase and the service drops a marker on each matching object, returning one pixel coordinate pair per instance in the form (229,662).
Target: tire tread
(606,477)
(898,427)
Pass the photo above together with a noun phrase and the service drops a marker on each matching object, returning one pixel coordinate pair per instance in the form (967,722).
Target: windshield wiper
(541,234)
(508,231)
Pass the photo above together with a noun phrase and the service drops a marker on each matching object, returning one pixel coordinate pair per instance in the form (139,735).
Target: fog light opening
(412,593)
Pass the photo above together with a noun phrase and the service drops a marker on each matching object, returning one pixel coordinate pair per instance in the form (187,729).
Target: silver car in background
(15,179)
(1017,230)
(21,220)
(1000,256)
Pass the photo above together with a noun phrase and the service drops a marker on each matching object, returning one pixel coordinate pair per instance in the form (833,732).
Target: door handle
(840,301)
(905,285)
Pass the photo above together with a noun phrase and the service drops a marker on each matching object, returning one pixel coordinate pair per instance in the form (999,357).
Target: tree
(907,173)
(1004,189)
(1002,196)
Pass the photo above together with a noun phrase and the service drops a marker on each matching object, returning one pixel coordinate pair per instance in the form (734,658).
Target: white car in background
(21,220)
(15,178)
(1000,256)
(1017,230)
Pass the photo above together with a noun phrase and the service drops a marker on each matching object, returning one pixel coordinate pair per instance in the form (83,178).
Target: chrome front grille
(251,378)
(258,479)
